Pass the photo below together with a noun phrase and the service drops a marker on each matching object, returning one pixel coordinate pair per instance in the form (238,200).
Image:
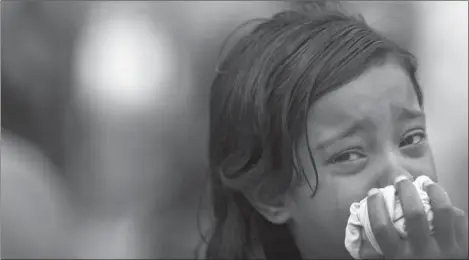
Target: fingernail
(373,192)
(426,181)
(400,178)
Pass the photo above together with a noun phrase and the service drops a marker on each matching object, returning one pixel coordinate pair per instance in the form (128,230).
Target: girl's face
(362,136)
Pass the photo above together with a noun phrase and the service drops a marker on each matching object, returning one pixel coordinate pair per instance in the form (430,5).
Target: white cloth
(358,228)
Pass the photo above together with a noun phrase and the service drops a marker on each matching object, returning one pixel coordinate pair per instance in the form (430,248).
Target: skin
(389,141)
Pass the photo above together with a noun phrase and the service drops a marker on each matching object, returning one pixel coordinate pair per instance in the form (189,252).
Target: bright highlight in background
(442,48)
(124,62)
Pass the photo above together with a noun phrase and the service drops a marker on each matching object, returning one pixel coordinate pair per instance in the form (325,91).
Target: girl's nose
(392,166)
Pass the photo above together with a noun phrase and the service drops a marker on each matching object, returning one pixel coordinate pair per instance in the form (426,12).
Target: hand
(449,240)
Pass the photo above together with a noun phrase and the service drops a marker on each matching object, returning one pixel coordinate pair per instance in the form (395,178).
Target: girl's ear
(276,210)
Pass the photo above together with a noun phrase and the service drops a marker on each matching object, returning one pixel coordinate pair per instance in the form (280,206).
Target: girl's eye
(413,138)
(347,156)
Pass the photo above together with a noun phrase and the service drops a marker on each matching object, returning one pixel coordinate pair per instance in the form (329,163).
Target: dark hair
(259,105)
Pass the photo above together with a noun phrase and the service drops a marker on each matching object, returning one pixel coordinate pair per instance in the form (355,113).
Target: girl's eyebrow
(351,129)
(404,114)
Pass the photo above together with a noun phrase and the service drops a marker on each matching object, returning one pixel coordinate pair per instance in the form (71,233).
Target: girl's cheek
(422,166)
(355,186)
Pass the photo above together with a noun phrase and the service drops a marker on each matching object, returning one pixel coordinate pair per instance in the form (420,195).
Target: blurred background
(104,109)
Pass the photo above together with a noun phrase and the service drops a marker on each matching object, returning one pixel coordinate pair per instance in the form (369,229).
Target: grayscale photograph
(234,130)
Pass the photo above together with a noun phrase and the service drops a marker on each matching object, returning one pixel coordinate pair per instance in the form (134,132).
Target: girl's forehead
(381,91)
(388,83)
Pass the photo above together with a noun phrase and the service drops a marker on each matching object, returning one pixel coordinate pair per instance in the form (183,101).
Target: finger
(367,251)
(461,232)
(414,214)
(385,234)
(443,217)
